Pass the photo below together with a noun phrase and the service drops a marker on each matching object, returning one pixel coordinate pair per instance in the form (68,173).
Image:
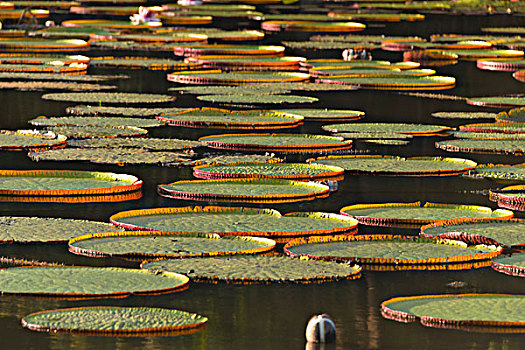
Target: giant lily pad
(43,45)
(290,171)
(396,83)
(139,244)
(235,78)
(243,50)
(335,73)
(221,159)
(53,85)
(65,182)
(513,115)
(235,221)
(227,119)
(245,89)
(39,68)
(95,121)
(77,282)
(58,77)
(514,172)
(514,147)
(470,312)
(501,65)
(81,132)
(325,114)
(101,23)
(114,320)
(398,166)
(510,194)
(501,127)
(257,269)
(380,249)
(513,265)
(497,101)
(49,230)
(121,111)
(244,190)
(282,63)
(30,140)
(277,142)
(393,214)
(312,26)
(510,233)
(402,128)
(464,115)
(153,144)
(109,97)
(142,62)
(256,99)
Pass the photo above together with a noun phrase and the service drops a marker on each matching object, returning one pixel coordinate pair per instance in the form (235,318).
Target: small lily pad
(30,140)
(513,265)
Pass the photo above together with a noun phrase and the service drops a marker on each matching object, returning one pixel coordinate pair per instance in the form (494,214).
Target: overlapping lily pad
(334,74)
(245,89)
(319,64)
(513,265)
(257,269)
(312,26)
(109,97)
(53,85)
(79,282)
(43,45)
(65,182)
(259,63)
(387,249)
(160,244)
(235,78)
(501,127)
(509,233)
(58,77)
(277,142)
(398,166)
(402,128)
(96,121)
(514,147)
(513,115)
(81,132)
(114,320)
(102,23)
(122,111)
(513,195)
(227,119)
(153,144)
(501,65)
(43,59)
(243,50)
(229,221)
(394,214)
(469,312)
(142,62)
(40,68)
(326,114)
(47,230)
(375,136)
(244,190)
(396,83)
(244,100)
(221,159)
(514,172)
(497,101)
(487,135)
(30,140)
(464,115)
(290,171)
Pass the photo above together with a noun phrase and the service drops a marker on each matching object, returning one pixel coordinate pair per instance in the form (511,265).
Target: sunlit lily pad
(336,73)
(277,142)
(291,171)
(244,190)
(43,45)
(231,159)
(283,63)
(153,144)
(324,63)
(109,97)
(503,127)
(235,78)
(244,50)
(158,244)
(413,129)
(102,23)
(31,140)
(396,83)
(114,320)
(378,136)
(40,68)
(387,249)
(513,195)
(312,26)
(398,166)
(513,115)
(58,77)
(326,114)
(497,101)
(519,75)
(514,172)
(469,312)
(392,214)
(142,62)
(487,135)
(255,89)
(78,282)
(257,269)
(235,221)
(53,85)
(464,115)
(513,147)
(510,233)
(257,99)
(501,65)
(95,121)
(47,230)
(380,142)
(122,111)
(81,132)
(513,265)
(65,182)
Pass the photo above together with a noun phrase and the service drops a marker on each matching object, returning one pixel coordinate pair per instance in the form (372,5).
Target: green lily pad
(398,166)
(235,78)
(47,230)
(513,265)
(65,182)
(497,101)
(141,62)
(109,97)
(43,45)
(257,269)
(277,142)
(53,85)
(504,30)
(41,68)
(325,45)
(148,244)
(387,249)
(122,111)
(464,115)
(257,99)
(514,147)
(255,89)
(392,214)
(73,281)
(42,59)
(59,77)
(339,63)
(513,195)
(505,127)
(243,50)
(231,159)
(396,83)
(413,129)
(132,46)
(70,32)
(378,136)
(114,320)
(291,171)
(82,132)
(119,156)
(388,142)
(227,119)
(470,312)
(96,121)
(513,115)
(508,233)
(488,135)
(500,171)
(30,140)
(244,190)
(335,74)
(234,221)
(230,35)
(153,144)
(285,62)
(325,114)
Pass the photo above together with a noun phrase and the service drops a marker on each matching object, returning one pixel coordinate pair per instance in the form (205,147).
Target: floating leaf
(500,171)
(513,115)
(464,115)
(257,99)
(30,140)
(514,147)
(109,97)
(325,114)
(142,62)
(95,121)
(81,132)
(231,159)
(122,111)
(497,101)
(413,129)
(53,85)
(513,265)
(59,77)
(235,78)
(153,144)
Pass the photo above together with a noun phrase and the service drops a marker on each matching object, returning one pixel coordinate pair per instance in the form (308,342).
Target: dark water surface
(274,316)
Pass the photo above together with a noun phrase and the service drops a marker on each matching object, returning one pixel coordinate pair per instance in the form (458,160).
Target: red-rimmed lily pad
(513,195)
(235,221)
(396,83)
(30,140)
(153,144)
(501,127)
(87,282)
(122,111)
(247,100)
(235,78)
(142,62)
(312,26)
(468,312)
(259,63)
(325,114)
(497,101)
(519,75)
(216,159)
(394,214)
(514,147)
(109,97)
(65,183)
(244,190)
(513,265)
(114,320)
(97,23)
(241,50)
(514,172)
(257,269)
(160,244)
(402,128)
(464,115)
(43,45)
(53,85)
(398,166)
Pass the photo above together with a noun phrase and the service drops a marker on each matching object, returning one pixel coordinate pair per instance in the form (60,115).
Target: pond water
(275,316)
